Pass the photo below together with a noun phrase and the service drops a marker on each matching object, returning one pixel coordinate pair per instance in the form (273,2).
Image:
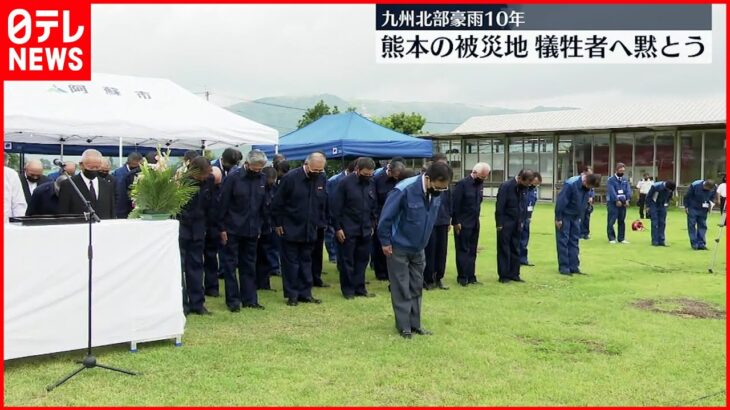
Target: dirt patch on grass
(683,307)
(569,346)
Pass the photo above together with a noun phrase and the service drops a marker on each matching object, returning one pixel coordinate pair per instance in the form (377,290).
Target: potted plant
(156,193)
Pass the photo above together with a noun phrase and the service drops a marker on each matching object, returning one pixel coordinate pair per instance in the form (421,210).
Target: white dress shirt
(644,186)
(15,204)
(722,190)
(94,181)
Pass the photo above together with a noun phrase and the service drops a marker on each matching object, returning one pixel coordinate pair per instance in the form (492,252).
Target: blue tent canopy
(349,135)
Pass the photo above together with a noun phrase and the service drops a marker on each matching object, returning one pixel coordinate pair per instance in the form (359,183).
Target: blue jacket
(696,196)
(510,208)
(572,199)
(192,217)
(44,201)
(406,221)
(445,210)
(467,202)
(354,206)
(379,171)
(123,179)
(658,195)
(618,189)
(299,205)
(530,201)
(243,204)
(383,185)
(331,187)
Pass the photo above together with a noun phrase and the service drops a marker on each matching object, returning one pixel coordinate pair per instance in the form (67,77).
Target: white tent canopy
(111,108)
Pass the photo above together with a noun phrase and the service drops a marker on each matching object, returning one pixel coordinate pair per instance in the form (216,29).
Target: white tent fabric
(142,111)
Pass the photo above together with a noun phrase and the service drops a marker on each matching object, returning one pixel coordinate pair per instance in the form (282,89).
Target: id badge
(530,208)
(666,205)
(705,205)
(620,191)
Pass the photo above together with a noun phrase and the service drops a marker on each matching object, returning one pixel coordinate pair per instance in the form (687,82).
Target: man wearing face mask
(192,236)
(530,202)
(298,206)
(510,214)
(124,177)
(105,170)
(405,227)
(618,195)
(243,212)
(384,184)
(697,204)
(467,205)
(45,198)
(228,162)
(643,186)
(32,178)
(98,191)
(353,218)
(569,209)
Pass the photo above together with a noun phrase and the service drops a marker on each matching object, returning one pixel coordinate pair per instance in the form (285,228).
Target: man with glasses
(405,226)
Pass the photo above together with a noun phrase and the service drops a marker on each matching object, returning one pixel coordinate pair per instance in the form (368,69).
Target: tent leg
(121,152)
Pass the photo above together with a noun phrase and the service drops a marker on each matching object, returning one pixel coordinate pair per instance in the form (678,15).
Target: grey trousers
(405,271)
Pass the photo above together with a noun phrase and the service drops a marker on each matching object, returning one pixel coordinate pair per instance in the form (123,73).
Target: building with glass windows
(683,141)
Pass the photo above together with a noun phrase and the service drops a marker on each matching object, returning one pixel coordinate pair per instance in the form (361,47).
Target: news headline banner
(543,34)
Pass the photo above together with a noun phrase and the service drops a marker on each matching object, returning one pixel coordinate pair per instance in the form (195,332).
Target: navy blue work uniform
(657,202)
(467,204)
(192,239)
(585,225)
(438,243)
(697,204)
(212,242)
(405,224)
(570,208)
(618,189)
(509,216)
(383,185)
(264,263)
(530,202)
(354,209)
(44,200)
(242,214)
(329,235)
(299,204)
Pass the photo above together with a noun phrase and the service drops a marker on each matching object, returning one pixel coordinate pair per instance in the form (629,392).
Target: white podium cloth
(137,290)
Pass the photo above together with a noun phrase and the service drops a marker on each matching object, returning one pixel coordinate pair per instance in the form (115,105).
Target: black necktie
(92,191)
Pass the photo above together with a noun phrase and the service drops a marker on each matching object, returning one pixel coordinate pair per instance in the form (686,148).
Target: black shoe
(421,331)
(476,282)
(213,294)
(702,248)
(365,295)
(253,306)
(310,300)
(441,286)
(322,285)
(292,302)
(505,280)
(349,297)
(464,284)
(202,312)
(234,309)
(406,334)
(566,273)
(519,280)
(429,286)
(527,264)
(578,273)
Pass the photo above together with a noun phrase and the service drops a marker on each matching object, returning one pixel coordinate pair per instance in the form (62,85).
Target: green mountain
(283,113)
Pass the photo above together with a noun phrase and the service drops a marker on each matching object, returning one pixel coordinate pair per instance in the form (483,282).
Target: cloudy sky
(253,51)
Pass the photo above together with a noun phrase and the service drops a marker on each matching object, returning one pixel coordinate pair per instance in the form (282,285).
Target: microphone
(58,162)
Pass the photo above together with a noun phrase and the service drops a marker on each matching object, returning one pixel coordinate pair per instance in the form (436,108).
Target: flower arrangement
(157,193)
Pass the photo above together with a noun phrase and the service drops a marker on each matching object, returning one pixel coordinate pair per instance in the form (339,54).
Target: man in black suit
(32,178)
(94,188)
(510,214)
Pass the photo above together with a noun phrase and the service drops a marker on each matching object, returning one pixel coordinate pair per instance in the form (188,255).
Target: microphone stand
(89,361)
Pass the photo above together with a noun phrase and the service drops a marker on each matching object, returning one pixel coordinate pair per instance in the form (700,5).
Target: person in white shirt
(15,204)
(643,186)
(722,194)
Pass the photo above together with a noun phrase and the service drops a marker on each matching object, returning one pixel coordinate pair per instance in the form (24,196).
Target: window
(690,165)
(546,168)
(644,160)
(583,145)
(471,154)
(497,160)
(714,154)
(623,152)
(515,156)
(664,156)
(600,155)
(565,159)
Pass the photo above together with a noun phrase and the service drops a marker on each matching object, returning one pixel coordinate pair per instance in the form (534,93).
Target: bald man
(32,178)
(97,190)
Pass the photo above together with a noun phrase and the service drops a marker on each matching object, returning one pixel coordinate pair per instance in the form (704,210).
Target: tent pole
(276,149)
(61,149)
(121,152)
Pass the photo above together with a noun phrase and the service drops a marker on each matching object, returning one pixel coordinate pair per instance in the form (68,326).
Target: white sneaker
(611,241)
(625,242)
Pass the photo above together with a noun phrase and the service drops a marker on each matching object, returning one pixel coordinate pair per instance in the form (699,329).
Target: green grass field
(554,340)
